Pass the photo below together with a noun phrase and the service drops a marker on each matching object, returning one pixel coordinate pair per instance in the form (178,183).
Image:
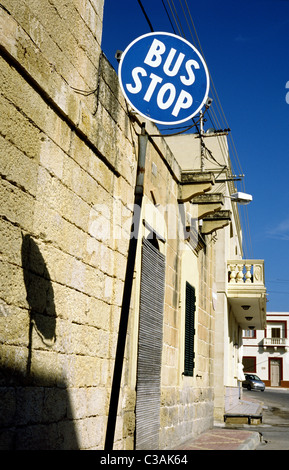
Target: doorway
(275,372)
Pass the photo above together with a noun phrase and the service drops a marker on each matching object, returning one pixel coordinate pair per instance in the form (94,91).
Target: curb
(251,443)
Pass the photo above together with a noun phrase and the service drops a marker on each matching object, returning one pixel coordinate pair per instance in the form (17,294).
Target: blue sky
(246,48)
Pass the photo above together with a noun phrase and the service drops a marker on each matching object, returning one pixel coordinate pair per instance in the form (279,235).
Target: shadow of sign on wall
(40,296)
(35,403)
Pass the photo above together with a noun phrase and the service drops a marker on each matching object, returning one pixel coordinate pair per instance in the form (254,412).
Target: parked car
(253,382)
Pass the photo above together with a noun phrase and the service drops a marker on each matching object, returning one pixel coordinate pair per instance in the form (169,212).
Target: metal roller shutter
(150,347)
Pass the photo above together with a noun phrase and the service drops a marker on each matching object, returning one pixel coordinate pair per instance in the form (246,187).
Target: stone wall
(66,150)
(187,402)
(68,167)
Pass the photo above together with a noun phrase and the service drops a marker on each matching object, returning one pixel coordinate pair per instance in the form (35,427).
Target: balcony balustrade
(246,272)
(276,342)
(246,292)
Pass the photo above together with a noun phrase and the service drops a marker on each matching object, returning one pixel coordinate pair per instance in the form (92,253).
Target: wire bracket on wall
(132,113)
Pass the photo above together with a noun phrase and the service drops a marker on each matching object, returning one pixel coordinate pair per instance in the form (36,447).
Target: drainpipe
(120,349)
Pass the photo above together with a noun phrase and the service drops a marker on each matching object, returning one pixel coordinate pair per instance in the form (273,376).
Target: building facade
(266,352)
(120,311)
(239,283)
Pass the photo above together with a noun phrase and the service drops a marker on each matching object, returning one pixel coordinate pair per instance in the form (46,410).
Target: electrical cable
(234,153)
(174,18)
(194,42)
(216,114)
(277,292)
(146,16)
(222,114)
(183,33)
(172,26)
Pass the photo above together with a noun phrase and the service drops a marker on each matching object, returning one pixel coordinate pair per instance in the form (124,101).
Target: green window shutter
(190,330)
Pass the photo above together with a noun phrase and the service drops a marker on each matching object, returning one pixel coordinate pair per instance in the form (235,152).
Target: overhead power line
(169,18)
(146,16)
(215,113)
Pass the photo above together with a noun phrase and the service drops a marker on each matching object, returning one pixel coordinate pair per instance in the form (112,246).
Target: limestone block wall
(188,402)
(67,156)
(67,173)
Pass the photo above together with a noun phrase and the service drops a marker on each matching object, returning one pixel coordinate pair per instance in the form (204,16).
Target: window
(190,330)
(276,332)
(249,333)
(249,363)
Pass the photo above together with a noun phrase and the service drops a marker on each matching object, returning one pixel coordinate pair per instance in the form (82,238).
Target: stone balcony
(246,293)
(275,343)
(194,184)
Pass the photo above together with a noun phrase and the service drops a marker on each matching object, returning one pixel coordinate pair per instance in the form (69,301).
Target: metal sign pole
(118,365)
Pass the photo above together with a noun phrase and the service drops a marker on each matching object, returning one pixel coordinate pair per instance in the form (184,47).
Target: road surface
(275,425)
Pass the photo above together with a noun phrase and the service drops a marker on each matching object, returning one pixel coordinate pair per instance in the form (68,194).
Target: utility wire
(146,16)
(221,111)
(172,26)
(177,16)
(277,292)
(233,151)
(174,17)
(216,112)
(196,44)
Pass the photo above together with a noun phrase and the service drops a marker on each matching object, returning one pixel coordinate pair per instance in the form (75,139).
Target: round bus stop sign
(164,78)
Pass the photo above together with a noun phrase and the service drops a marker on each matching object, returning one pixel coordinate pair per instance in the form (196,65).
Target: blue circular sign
(164,78)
